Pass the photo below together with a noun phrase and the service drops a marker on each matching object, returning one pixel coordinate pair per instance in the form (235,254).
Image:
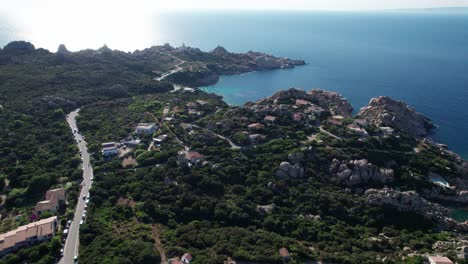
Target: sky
(158,5)
(133,24)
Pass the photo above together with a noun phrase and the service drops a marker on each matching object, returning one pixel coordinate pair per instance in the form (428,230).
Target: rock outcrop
(62,49)
(333,102)
(387,112)
(19,47)
(220,52)
(285,96)
(458,196)
(336,103)
(296,157)
(356,172)
(288,171)
(410,201)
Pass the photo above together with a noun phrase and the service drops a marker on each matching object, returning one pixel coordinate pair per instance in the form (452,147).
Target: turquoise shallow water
(418,57)
(460,213)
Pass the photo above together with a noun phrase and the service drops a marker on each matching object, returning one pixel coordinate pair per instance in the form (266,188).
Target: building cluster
(111,149)
(37,231)
(27,235)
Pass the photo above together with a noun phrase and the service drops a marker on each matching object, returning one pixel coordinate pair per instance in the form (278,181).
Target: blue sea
(418,57)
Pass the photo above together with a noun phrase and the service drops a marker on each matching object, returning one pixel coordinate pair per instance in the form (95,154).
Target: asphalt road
(72,242)
(177,67)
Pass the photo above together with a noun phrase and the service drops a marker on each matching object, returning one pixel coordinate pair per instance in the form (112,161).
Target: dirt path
(158,245)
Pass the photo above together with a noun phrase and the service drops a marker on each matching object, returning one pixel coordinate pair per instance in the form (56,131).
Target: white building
(109,149)
(160,138)
(146,128)
(186,258)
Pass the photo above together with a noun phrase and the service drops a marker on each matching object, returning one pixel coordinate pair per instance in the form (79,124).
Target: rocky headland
(201,68)
(388,112)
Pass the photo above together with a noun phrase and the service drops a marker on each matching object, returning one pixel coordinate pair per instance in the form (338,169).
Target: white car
(81,222)
(87,200)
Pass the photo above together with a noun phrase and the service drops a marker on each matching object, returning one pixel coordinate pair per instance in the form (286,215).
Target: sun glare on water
(80,28)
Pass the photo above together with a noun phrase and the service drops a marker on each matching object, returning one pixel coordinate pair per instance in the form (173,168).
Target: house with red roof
(439,260)
(53,200)
(29,234)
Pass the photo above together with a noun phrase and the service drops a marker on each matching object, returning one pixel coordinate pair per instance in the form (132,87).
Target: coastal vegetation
(295,170)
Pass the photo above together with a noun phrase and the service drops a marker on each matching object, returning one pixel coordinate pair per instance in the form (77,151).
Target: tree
(55,245)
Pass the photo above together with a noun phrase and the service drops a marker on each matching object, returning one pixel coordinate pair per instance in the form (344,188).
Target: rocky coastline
(360,176)
(204,68)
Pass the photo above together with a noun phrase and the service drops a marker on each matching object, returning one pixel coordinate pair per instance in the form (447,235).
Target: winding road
(72,243)
(177,68)
(232,144)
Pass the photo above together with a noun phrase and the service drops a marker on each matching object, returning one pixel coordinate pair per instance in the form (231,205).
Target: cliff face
(385,111)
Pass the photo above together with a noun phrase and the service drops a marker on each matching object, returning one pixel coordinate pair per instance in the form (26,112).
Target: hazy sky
(155,5)
(133,24)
